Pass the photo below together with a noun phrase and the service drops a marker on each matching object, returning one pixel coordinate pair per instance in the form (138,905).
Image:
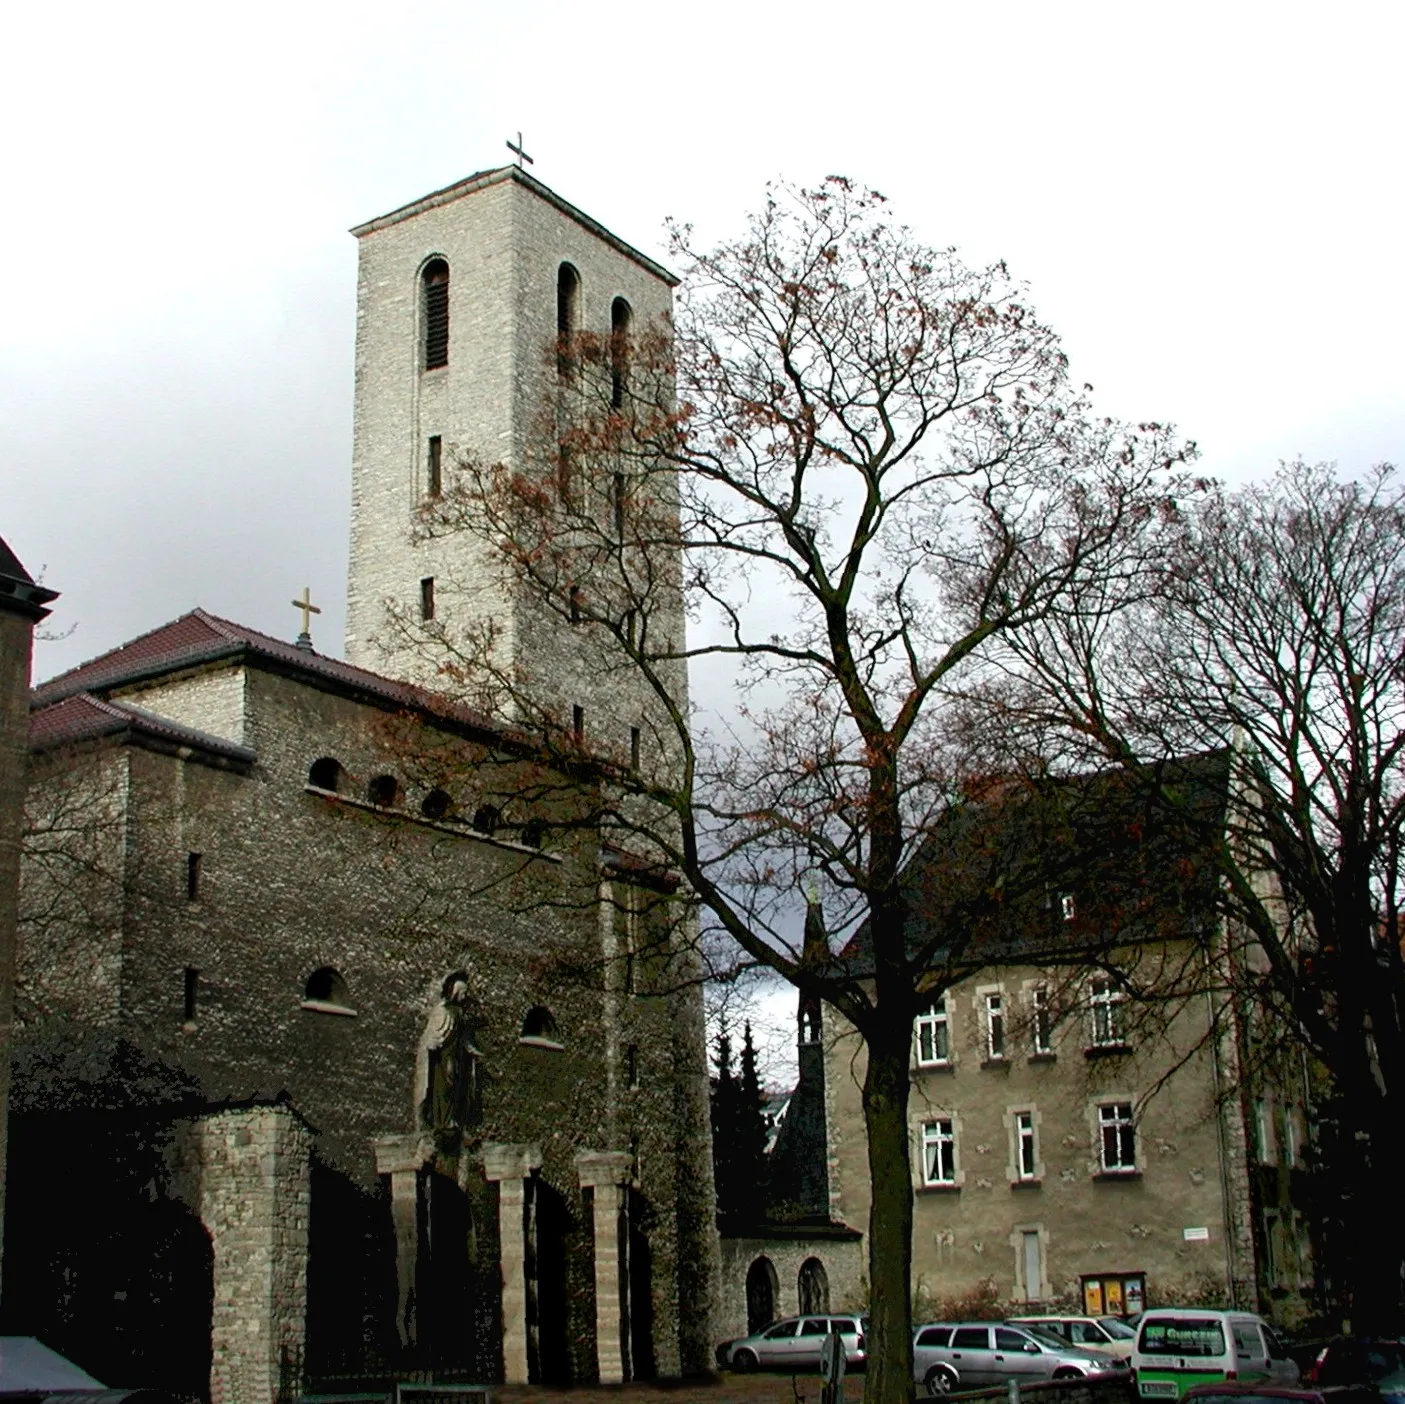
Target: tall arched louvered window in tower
(435,284)
(568,297)
(621,315)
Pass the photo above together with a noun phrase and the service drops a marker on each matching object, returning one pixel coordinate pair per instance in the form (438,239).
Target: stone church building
(345,1050)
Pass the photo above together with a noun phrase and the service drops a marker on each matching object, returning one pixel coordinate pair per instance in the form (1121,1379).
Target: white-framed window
(1067,910)
(995,1026)
(938,1153)
(1292,1134)
(1041,1021)
(932,1035)
(1026,1148)
(1109,1016)
(1117,1138)
(1265,1151)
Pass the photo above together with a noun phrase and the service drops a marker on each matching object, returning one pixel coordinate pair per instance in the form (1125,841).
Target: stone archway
(762,1291)
(812,1286)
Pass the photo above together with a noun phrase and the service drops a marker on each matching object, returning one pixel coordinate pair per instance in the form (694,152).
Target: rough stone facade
(294,874)
(22,605)
(1180,1217)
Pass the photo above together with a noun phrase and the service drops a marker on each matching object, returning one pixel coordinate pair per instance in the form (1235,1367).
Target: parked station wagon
(979,1353)
(794,1343)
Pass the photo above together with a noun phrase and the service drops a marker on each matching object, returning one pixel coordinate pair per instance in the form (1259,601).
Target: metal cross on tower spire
(520,153)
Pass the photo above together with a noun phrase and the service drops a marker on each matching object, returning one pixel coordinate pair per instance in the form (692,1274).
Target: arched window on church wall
(486,819)
(762,1290)
(326,774)
(434,283)
(436,804)
(568,295)
(383,791)
(621,315)
(812,1286)
(539,1028)
(326,992)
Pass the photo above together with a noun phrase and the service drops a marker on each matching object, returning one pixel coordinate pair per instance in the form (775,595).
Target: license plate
(1159,1389)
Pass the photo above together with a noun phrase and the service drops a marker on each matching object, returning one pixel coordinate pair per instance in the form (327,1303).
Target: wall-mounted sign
(1114,1294)
(1196,1235)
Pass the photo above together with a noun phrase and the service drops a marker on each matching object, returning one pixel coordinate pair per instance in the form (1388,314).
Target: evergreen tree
(751,1127)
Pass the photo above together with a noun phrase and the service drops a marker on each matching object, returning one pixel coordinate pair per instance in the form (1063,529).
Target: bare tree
(1276,627)
(861,462)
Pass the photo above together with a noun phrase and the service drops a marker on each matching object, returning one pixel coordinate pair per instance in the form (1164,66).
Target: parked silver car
(1106,1333)
(794,1344)
(974,1354)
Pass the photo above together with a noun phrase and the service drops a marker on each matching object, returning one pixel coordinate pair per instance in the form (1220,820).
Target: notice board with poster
(1114,1293)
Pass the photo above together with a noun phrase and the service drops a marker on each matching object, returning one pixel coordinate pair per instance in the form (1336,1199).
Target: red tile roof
(199,637)
(83,717)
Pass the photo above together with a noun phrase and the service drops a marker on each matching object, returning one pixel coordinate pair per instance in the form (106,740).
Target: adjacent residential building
(1094,1121)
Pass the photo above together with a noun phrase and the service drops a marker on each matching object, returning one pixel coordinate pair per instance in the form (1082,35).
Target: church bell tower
(459,300)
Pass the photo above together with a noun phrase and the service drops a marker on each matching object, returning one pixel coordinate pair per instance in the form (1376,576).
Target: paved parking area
(722,1389)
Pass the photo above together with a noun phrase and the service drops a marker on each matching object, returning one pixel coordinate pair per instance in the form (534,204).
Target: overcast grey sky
(1205,200)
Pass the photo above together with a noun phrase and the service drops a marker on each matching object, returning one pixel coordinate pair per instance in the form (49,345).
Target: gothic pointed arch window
(621,317)
(434,299)
(568,297)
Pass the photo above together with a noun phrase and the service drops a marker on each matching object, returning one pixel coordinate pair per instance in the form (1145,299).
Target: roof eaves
(481,180)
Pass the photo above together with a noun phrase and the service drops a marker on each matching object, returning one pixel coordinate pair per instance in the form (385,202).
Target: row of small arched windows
(385,792)
(327,988)
(434,298)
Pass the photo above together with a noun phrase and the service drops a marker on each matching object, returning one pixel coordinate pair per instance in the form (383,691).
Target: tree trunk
(885,1097)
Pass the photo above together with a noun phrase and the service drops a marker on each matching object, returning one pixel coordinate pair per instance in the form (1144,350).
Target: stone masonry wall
(245,1172)
(843,1263)
(294,881)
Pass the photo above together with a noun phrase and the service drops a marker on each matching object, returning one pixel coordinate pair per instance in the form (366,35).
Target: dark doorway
(548,1227)
(762,1288)
(447,1295)
(350,1279)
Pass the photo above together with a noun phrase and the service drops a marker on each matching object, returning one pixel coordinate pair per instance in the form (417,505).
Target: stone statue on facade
(446,1066)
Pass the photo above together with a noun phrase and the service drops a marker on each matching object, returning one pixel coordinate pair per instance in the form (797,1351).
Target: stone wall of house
(244,1171)
(1166,1218)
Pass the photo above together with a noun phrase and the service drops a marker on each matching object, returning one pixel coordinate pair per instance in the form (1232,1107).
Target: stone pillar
(22,606)
(608,1174)
(247,1174)
(511,1166)
(402,1158)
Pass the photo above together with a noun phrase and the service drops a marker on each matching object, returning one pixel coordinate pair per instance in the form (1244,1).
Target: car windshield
(1182,1335)
(1045,1336)
(1119,1330)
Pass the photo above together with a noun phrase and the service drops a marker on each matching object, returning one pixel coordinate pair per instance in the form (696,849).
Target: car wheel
(1068,1373)
(941,1379)
(744,1361)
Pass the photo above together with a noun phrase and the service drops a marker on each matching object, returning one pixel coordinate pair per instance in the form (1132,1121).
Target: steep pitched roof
(1133,856)
(84,717)
(199,637)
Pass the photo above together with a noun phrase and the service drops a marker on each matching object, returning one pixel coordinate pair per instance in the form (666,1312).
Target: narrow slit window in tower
(634,740)
(578,723)
(193,864)
(435,279)
(427,597)
(434,473)
(620,318)
(568,288)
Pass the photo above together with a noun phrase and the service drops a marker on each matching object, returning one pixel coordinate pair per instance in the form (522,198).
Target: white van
(1180,1347)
